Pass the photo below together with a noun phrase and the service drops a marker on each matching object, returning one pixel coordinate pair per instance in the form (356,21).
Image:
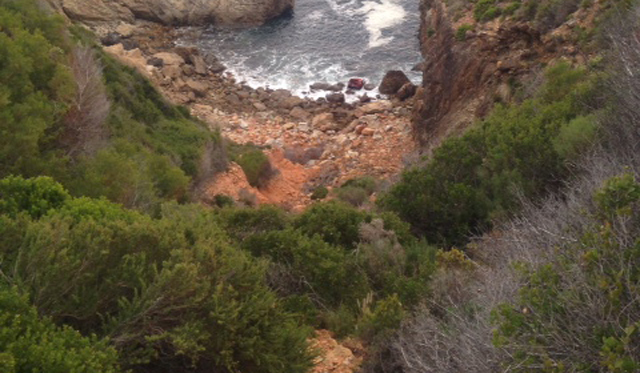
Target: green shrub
(386,316)
(242,223)
(29,343)
(256,166)
(34,196)
(356,191)
(512,8)
(320,192)
(575,137)
(337,223)
(222,200)
(367,183)
(618,195)
(485,10)
(323,272)
(352,195)
(400,228)
(461,32)
(117,175)
(341,321)
(392,268)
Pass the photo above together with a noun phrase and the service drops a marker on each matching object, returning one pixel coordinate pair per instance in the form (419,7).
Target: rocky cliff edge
(466,72)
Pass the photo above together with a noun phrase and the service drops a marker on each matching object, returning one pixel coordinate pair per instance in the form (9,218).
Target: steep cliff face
(173,12)
(466,73)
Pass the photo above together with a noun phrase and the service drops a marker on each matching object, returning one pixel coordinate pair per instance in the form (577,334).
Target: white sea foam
(380,16)
(314,16)
(348,8)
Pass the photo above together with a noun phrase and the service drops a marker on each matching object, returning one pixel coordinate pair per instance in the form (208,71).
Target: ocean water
(320,41)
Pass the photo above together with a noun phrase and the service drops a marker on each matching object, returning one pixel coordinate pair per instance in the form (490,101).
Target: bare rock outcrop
(173,12)
(461,79)
(392,82)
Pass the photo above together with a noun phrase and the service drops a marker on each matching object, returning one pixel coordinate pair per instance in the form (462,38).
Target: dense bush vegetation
(486,10)
(117,138)
(520,150)
(231,288)
(356,191)
(29,343)
(172,291)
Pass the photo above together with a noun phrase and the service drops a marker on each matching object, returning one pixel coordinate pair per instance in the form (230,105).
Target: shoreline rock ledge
(173,12)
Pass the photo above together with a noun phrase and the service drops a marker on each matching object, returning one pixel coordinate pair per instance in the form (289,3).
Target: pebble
(260,106)
(368,131)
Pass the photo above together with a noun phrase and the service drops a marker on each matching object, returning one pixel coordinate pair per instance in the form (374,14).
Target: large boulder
(323,120)
(169,59)
(374,108)
(355,83)
(392,82)
(336,98)
(173,12)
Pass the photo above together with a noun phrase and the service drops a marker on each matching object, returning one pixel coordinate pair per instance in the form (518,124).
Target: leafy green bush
(342,321)
(29,343)
(325,273)
(512,8)
(386,316)
(618,195)
(36,86)
(34,196)
(391,268)
(575,137)
(485,10)
(356,191)
(222,200)
(367,183)
(352,195)
(142,116)
(337,223)
(256,166)
(461,32)
(242,223)
(320,192)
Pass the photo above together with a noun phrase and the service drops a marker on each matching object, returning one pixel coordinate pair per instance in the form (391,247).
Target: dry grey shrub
(454,333)
(214,161)
(379,247)
(247,197)
(84,129)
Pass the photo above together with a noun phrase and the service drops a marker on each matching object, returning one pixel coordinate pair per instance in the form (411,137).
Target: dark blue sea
(321,41)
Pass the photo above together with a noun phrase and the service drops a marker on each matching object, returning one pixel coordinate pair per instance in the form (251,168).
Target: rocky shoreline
(327,140)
